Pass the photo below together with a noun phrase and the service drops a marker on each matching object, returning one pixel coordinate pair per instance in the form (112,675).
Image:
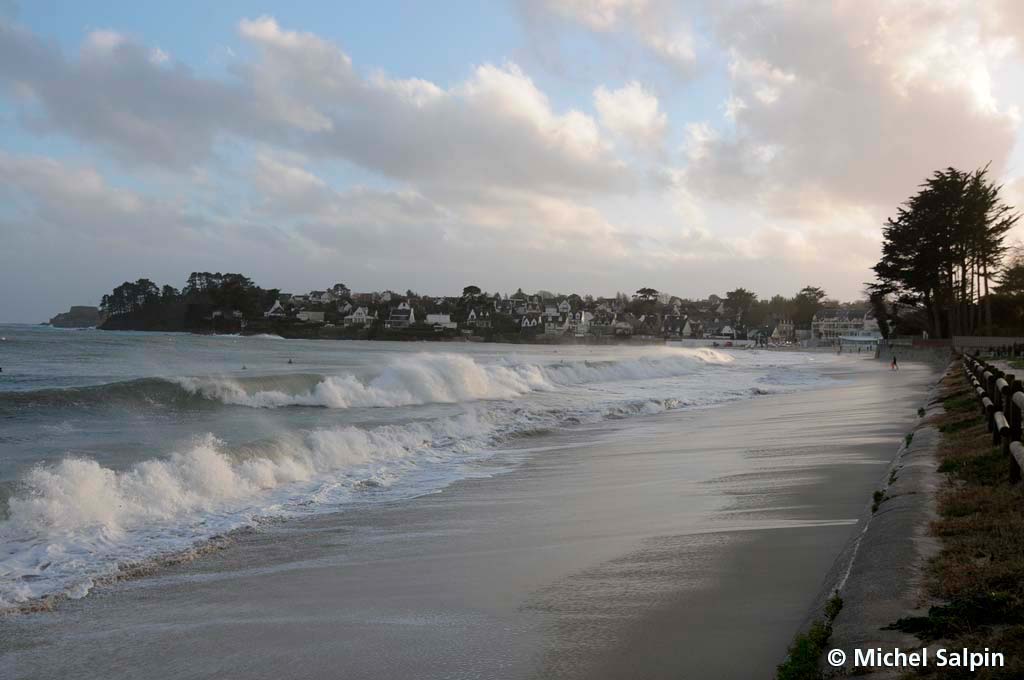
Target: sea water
(117,448)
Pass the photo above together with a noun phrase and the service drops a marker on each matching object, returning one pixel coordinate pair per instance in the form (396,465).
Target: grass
(802,660)
(978,575)
(1016,363)
(876,500)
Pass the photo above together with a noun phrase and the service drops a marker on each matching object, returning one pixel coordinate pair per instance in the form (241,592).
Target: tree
(1011,280)
(646,295)
(806,304)
(738,303)
(470,291)
(131,297)
(877,297)
(944,246)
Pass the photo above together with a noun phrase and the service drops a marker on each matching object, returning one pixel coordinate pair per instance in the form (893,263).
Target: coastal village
(231,303)
(544,316)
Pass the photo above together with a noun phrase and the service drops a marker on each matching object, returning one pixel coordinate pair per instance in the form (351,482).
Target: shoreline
(515,549)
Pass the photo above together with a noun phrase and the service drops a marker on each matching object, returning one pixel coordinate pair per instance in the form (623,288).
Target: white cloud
(656,24)
(831,116)
(632,113)
(852,104)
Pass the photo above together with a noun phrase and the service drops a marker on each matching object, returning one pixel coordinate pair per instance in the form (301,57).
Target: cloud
(297,164)
(851,104)
(117,96)
(302,92)
(632,113)
(496,128)
(656,24)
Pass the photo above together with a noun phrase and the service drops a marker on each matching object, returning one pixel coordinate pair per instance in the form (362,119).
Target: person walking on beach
(895,366)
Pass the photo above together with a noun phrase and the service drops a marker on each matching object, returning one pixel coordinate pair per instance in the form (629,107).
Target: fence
(963,343)
(999,395)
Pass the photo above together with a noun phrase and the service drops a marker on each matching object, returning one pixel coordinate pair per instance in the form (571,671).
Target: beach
(685,543)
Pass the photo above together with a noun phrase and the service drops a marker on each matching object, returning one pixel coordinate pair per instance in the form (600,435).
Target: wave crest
(451,378)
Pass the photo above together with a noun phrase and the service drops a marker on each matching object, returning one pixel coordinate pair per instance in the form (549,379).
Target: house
(276,311)
(622,327)
(785,330)
(557,324)
(601,323)
(360,317)
(401,316)
(441,321)
(833,322)
(579,322)
(564,307)
(226,313)
(345,308)
(672,325)
(478,318)
(310,316)
(320,297)
(530,321)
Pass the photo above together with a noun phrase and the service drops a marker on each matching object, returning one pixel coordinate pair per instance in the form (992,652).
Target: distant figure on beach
(243,367)
(895,366)
(290,361)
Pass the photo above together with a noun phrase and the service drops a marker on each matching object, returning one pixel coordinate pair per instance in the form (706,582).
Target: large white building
(832,323)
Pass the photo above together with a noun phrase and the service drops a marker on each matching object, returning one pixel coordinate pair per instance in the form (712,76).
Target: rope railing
(1001,400)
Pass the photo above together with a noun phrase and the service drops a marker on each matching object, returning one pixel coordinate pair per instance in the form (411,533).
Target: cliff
(78,316)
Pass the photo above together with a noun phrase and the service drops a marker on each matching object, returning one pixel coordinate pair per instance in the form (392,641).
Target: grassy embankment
(978,575)
(802,659)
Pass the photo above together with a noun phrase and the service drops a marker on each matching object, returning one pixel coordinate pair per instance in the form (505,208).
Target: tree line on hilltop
(143,304)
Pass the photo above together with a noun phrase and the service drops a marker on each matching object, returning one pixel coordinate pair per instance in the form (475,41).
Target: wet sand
(684,545)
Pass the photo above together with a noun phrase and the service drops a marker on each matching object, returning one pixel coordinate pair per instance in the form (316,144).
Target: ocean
(122,447)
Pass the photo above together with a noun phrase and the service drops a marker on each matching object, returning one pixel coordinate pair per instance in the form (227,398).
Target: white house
(312,317)
(401,316)
(360,317)
(276,311)
(441,321)
(579,322)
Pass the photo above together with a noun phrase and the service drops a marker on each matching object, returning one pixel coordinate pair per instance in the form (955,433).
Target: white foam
(452,378)
(76,518)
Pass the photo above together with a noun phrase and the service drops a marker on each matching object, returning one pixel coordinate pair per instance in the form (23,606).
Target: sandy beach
(688,544)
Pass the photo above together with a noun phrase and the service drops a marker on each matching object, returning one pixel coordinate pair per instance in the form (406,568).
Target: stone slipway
(880,574)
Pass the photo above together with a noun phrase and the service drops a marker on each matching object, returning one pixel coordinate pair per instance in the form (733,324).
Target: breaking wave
(450,378)
(77,514)
(418,379)
(73,521)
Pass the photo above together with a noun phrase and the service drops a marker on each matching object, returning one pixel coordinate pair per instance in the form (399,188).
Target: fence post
(1016,454)
(1015,415)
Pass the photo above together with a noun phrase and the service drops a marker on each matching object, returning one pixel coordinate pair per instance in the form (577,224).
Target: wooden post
(1016,404)
(1000,431)
(1016,455)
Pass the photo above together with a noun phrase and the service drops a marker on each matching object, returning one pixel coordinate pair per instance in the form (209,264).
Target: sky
(588,146)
